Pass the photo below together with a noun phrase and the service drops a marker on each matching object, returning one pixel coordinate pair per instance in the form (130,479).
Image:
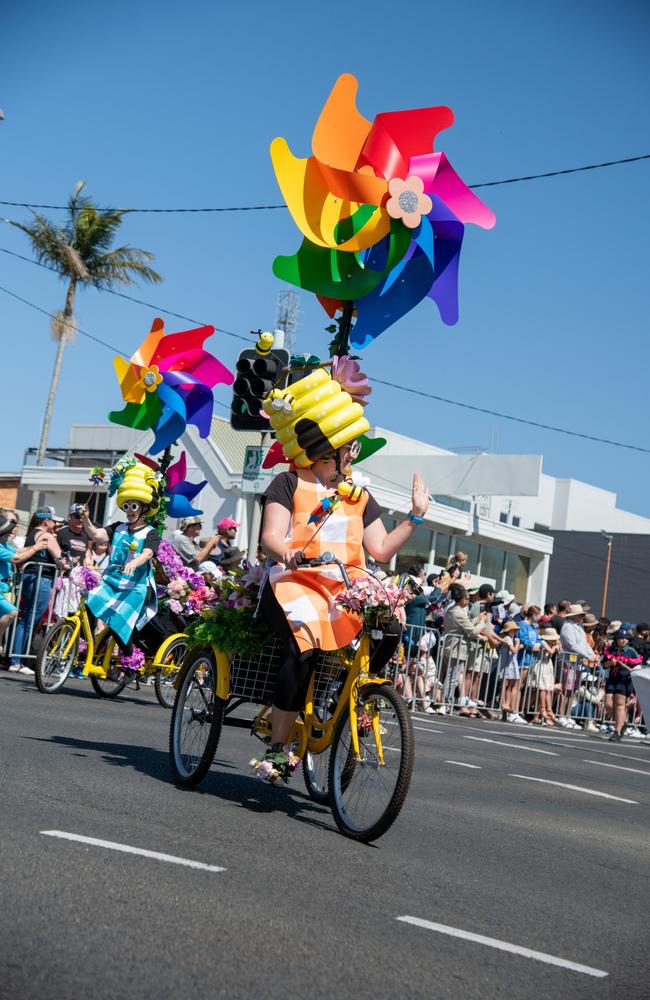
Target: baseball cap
(227,522)
(75,508)
(185,523)
(44,512)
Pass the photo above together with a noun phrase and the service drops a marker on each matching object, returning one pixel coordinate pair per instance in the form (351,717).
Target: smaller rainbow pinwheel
(177,491)
(168,383)
(382,215)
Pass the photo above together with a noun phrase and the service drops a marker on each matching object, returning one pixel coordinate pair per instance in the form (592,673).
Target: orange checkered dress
(307,595)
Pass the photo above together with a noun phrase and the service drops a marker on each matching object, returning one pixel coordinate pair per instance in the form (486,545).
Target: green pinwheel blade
(369,446)
(141,416)
(337,274)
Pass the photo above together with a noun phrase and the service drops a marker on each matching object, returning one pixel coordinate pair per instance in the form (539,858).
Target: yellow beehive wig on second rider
(314,416)
(140,483)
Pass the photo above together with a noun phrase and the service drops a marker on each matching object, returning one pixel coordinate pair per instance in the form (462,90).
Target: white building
(509,556)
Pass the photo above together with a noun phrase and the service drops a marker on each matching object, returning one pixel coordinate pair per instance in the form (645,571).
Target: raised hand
(419,496)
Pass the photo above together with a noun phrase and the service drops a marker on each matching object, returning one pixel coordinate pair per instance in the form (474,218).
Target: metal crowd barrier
(455,674)
(40,571)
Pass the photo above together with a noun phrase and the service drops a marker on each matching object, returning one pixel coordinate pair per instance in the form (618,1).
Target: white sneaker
(441,711)
(466,702)
(26,670)
(14,668)
(519,720)
(634,733)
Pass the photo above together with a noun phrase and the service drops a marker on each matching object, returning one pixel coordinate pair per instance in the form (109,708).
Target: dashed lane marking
(513,746)
(460,763)
(126,849)
(514,949)
(575,788)
(619,767)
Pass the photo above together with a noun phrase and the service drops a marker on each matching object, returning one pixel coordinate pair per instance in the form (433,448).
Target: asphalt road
(298,910)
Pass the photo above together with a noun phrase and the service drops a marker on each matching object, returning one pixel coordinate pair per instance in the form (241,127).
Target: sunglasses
(132,505)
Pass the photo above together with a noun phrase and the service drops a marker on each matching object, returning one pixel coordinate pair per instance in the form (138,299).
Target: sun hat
(574,610)
(185,523)
(227,522)
(209,567)
(590,621)
(232,557)
(514,608)
(505,597)
(549,633)
(509,626)
(613,627)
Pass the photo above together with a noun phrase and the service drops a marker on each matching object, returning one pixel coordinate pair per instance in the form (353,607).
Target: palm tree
(79,250)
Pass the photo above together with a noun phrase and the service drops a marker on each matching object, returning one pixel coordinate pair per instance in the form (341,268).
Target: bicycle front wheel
(197,719)
(53,665)
(367,795)
(167,674)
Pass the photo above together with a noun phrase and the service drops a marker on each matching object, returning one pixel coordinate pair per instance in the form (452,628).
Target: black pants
(125,648)
(296,669)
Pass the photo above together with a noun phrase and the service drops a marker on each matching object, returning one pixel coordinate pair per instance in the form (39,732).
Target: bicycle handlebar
(325,559)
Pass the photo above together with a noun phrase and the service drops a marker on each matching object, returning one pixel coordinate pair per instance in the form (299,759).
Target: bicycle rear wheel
(315,768)
(367,795)
(52,666)
(166,675)
(197,719)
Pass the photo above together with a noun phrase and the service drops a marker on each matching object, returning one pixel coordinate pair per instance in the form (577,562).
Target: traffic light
(258,371)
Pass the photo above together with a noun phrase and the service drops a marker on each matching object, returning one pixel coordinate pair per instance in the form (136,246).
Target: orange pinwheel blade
(340,130)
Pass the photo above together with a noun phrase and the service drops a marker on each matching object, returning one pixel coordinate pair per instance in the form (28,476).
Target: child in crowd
(619,658)
(509,671)
(544,677)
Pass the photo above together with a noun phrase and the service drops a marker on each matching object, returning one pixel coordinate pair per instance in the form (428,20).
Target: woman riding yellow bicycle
(314,509)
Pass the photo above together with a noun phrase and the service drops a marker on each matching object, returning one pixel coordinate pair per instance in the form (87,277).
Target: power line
(267,208)
(129,298)
(392,385)
(507,416)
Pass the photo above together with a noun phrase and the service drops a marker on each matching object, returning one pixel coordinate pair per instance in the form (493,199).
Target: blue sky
(165,104)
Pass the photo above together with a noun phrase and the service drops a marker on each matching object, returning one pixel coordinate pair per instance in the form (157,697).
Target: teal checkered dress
(124,602)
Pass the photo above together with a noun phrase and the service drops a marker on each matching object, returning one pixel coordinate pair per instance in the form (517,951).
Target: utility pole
(287,310)
(610,539)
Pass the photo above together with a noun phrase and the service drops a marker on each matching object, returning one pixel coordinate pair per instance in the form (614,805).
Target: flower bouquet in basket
(375,602)
(229,621)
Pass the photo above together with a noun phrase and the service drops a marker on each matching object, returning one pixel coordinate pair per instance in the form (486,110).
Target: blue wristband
(414,519)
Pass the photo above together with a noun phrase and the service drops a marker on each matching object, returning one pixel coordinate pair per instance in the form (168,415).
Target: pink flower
(175,606)
(408,201)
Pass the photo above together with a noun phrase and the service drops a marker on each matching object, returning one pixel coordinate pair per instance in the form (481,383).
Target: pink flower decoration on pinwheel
(408,201)
(348,374)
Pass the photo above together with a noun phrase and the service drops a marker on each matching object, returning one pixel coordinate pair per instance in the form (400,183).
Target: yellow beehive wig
(140,483)
(313,417)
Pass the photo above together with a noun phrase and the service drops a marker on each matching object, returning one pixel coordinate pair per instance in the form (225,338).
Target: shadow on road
(226,783)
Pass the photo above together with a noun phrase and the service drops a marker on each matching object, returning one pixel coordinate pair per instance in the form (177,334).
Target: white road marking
(513,746)
(112,846)
(570,744)
(633,770)
(460,763)
(575,788)
(515,949)
(427,729)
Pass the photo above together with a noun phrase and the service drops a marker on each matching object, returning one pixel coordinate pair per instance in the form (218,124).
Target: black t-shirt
(281,490)
(73,544)
(43,557)
(152,539)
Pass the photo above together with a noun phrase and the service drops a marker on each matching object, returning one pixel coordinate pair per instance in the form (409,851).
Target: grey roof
(232,444)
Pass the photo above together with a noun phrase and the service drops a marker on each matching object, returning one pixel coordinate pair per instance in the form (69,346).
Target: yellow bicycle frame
(303,731)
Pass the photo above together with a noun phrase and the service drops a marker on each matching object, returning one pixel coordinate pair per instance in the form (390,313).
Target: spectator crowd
(480,653)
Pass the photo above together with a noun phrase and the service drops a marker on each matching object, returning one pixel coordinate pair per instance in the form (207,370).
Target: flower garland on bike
(125,600)
(312,509)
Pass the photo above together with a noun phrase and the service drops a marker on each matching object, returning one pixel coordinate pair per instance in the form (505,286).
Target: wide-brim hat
(614,627)
(549,633)
(509,626)
(575,610)
(231,558)
(505,597)
(590,621)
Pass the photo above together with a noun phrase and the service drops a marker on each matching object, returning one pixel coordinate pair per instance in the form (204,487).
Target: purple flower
(135,661)
(175,606)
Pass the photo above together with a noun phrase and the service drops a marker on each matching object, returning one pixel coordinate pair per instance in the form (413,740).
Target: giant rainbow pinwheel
(382,215)
(168,383)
